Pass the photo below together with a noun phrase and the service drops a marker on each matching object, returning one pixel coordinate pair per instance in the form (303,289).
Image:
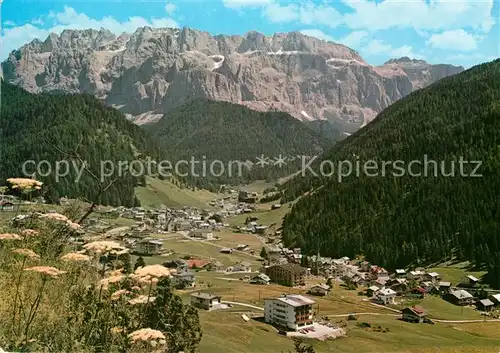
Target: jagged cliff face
(151,71)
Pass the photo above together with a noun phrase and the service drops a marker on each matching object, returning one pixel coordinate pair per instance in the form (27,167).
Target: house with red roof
(196,263)
(415,314)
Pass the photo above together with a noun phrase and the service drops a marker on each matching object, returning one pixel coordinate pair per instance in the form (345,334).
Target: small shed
(485,305)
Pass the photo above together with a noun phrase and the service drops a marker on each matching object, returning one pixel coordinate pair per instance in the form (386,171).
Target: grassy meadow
(227,329)
(163,192)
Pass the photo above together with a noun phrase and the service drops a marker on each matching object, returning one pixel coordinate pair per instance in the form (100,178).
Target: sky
(460,32)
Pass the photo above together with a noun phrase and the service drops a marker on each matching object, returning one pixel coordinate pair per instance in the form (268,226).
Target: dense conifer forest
(58,127)
(230,132)
(326,129)
(401,220)
(49,127)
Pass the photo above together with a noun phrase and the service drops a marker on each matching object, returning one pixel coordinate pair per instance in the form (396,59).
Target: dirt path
(464,321)
(243,304)
(359,314)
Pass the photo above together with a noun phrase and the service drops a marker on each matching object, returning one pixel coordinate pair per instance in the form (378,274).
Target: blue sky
(464,32)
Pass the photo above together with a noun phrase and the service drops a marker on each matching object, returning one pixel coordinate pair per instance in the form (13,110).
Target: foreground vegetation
(55,298)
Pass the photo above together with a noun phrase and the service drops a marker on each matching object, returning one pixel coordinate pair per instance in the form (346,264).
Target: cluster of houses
(187,218)
(384,287)
(252,226)
(9,203)
(277,254)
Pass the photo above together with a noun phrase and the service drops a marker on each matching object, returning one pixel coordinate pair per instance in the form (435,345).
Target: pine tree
(139,263)
(169,314)
(127,265)
(263,253)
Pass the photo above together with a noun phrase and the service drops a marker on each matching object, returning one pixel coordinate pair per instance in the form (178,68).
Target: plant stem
(143,316)
(18,283)
(34,308)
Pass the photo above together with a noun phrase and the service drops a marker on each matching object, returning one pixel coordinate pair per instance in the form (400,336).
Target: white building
(319,289)
(290,312)
(201,234)
(385,295)
(206,301)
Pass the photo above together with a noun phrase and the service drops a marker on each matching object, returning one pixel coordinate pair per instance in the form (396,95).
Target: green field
(231,239)
(257,186)
(158,192)
(228,331)
(443,310)
(203,250)
(265,217)
(454,272)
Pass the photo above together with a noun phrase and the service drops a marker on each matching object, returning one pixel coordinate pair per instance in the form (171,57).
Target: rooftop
(417,310)
(291,267)
(387,291)
(486,302)
(496,296)
(263,277)
(295,300)
(202,295)
(461,294)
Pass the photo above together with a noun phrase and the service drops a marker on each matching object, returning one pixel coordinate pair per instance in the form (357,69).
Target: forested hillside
(48,127)
(399,220)
(326,129)
(230,132)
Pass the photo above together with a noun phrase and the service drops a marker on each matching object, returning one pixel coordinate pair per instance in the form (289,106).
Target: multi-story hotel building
(289,312)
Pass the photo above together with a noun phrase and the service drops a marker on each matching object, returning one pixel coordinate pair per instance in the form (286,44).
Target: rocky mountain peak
(405,59)
(254,41)
(147,73)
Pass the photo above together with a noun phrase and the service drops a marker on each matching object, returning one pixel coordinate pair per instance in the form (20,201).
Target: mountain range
(148,73)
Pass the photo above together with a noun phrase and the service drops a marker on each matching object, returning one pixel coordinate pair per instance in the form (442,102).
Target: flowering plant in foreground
(57,298)
(24,184)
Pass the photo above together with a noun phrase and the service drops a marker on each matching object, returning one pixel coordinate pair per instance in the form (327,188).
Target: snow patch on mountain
(307,116)
(218,60)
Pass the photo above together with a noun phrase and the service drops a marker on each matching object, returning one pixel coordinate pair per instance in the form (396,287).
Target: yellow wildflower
(27,253)
(146,334)
(75,257)
(9,236)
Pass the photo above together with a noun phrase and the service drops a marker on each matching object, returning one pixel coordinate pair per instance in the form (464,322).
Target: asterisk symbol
(262,161)
(280,161)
